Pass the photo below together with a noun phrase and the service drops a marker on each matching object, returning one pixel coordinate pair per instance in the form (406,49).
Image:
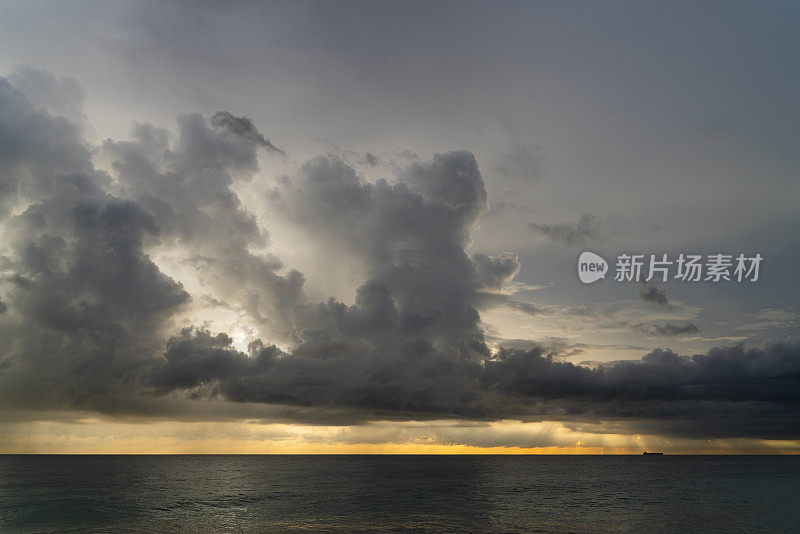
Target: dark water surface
(399,493)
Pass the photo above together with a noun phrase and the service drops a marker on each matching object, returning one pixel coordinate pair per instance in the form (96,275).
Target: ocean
(275,493)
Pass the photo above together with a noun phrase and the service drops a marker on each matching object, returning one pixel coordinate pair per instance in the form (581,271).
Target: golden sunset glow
(95,436)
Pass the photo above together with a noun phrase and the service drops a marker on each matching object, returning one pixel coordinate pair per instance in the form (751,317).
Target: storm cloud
(89,318)
(86,304)
(758,388)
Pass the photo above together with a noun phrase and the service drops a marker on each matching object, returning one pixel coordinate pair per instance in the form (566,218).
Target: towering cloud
(86,305)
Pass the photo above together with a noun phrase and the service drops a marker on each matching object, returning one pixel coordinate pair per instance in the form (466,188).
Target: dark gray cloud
(62,97)
(86,305)
(372,159)
(406,376)
(756,387)
(669,329)
(410,236)
(244,127)
(493,272)
(588,229)
(88,309)
(655,294)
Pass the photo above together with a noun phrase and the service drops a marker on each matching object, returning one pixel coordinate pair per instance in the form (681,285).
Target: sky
(355,226)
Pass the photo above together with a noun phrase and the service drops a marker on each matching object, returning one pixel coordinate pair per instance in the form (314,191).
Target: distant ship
(645,453)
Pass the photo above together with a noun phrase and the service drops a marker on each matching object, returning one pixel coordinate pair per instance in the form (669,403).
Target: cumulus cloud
(61,97)
(81,273)
(86,305)
(186,186)
(410,237)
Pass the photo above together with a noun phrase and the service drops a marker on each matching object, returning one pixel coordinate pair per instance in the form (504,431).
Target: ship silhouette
(645,453)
